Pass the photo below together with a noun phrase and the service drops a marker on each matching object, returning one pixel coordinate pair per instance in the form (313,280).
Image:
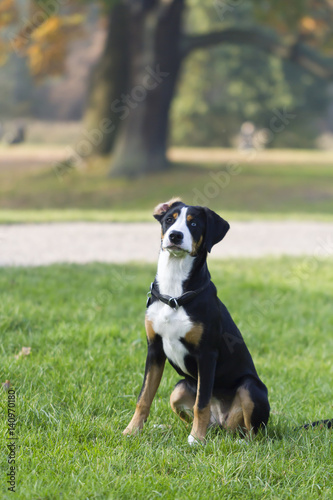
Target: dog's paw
(130,431)
(194,441)
(191,440)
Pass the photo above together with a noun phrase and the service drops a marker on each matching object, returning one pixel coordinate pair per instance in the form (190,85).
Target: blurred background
(108,108)
(117,105)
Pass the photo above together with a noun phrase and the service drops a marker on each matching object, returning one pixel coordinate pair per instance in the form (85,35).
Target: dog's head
(189,229)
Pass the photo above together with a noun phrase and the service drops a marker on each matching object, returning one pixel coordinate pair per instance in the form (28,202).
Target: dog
(187,324)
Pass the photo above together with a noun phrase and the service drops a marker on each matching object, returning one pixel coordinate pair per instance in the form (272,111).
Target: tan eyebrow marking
(189,218)
(175,215)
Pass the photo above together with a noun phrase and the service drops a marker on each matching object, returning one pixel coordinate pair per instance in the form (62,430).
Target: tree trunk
(135,80)
(154,61)
(109,79)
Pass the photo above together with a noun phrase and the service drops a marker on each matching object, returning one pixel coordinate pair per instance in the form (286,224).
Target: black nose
(176,237)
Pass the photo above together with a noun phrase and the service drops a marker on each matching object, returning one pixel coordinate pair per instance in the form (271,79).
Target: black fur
(222,351)
(220,359)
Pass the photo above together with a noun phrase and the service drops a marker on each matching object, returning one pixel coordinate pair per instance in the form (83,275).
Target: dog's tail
(320,423)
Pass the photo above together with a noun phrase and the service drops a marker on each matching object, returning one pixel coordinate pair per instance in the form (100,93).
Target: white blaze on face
(181,226)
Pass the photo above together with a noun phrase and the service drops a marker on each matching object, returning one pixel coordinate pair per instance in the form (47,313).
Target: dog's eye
(193,224)
(169,220)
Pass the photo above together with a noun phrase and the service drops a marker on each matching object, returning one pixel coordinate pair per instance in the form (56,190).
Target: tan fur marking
(152,382)
(201,417)
(200,422)
(196,246)
(247,405)
(149,330)
(182,403)
(175,215)
(194,335)
(235,415)
(240,412)
(173,200)
(189,218)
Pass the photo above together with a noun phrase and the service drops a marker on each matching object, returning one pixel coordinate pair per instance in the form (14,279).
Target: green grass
(76,391)
(75,215)
(261,190)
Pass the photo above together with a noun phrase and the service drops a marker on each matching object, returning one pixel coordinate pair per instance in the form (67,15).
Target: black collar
(175,302)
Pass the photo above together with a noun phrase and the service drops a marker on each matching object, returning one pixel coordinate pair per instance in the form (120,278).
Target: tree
(108,81)
(159,43)
(221,88)
(40,31)
(148,42)
(154,31)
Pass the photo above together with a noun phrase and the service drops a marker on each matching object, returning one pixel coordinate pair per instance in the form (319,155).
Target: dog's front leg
(201,409)
(153,373)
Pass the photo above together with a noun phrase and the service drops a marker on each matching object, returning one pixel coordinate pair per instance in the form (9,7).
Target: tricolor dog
(187,324)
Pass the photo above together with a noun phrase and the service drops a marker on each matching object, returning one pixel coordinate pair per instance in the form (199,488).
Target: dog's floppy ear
(216,228)
(162,208)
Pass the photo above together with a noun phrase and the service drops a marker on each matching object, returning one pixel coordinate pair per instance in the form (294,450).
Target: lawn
(242,191)
(76,390)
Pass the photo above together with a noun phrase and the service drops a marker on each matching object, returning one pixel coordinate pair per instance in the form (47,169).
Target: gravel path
(82,242)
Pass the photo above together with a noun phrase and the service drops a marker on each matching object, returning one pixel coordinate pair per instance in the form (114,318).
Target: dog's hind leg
(182,400)
(254,404)
(249,409)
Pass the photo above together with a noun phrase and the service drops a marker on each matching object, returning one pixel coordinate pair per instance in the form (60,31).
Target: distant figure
(262,137)
(246,136)
(16,135)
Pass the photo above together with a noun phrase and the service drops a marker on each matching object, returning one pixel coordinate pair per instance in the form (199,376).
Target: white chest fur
(171,326)
(172,272)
